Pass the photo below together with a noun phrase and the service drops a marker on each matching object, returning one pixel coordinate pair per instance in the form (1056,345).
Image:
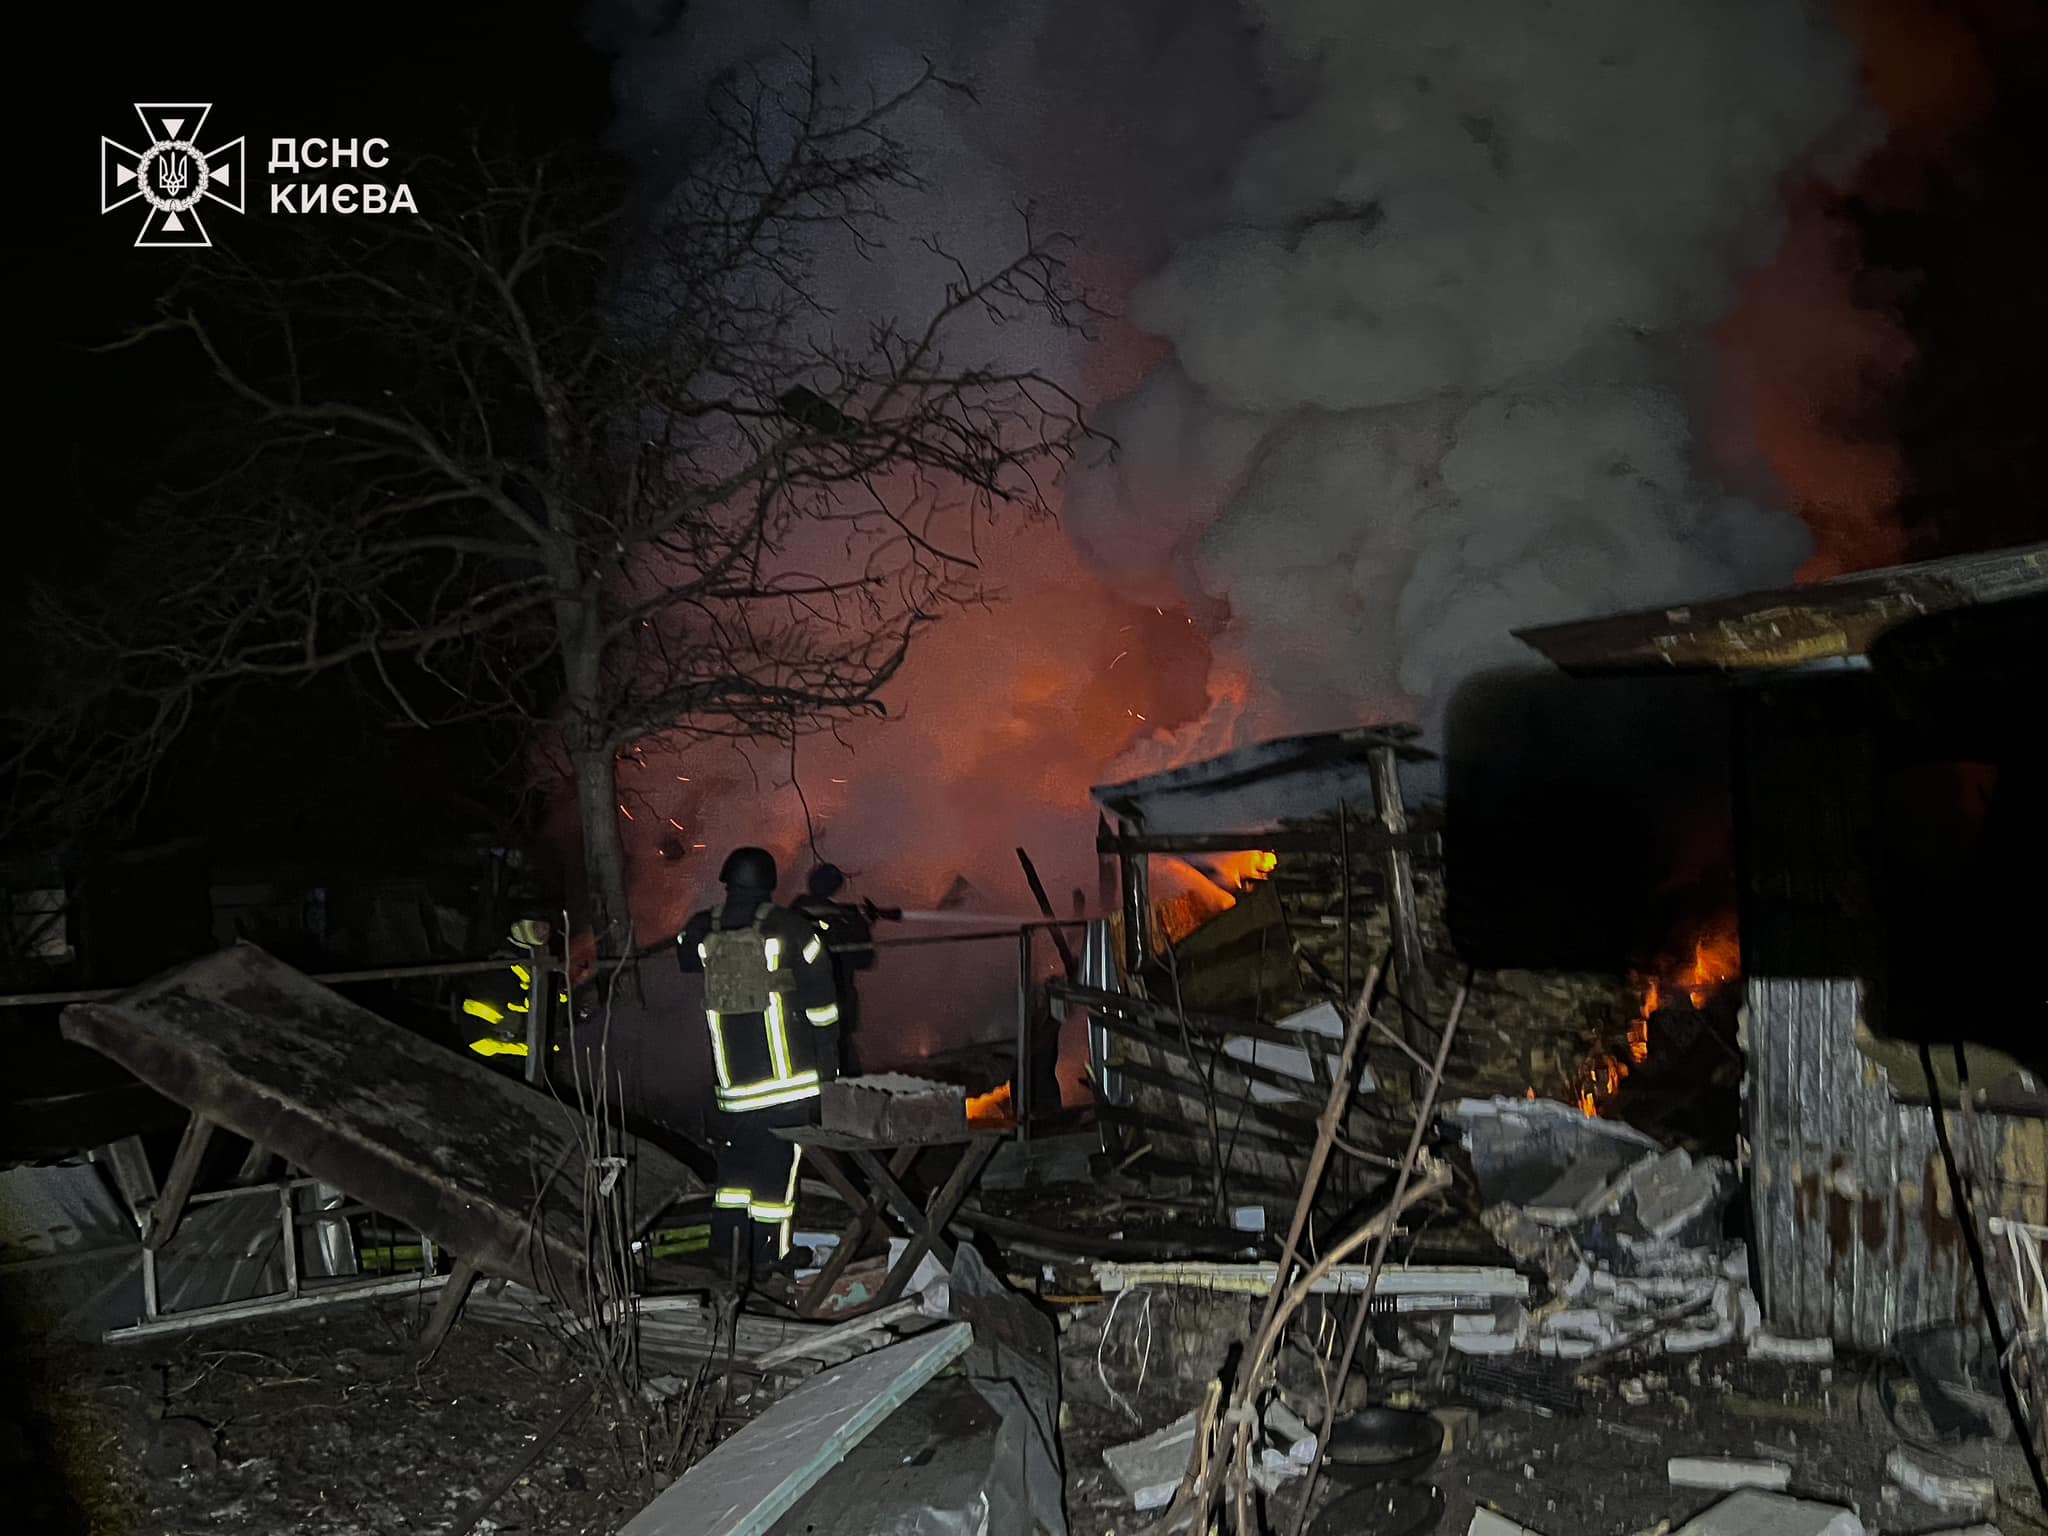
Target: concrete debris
(1627,1234)
(1486,1523)
(1672,1193)
(1769,1346)
(1295,1438)
(1755,1512)
(1546,1158)
(1728,1472)
(1151,1468)
(1954,1492)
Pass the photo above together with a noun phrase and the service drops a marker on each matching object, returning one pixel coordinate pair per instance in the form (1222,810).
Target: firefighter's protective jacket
(769,1001)
(495,1007)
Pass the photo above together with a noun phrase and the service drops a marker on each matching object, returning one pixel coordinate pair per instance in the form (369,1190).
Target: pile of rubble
(1627,1233)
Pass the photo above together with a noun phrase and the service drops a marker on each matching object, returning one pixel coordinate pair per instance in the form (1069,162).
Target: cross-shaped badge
(174,175)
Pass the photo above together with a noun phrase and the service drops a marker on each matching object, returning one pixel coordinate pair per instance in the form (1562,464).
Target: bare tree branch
(615,477)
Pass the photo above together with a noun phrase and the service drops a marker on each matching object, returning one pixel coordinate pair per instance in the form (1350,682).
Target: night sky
(310,770)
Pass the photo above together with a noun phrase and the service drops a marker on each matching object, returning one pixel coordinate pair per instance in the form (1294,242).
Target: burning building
(1889,801)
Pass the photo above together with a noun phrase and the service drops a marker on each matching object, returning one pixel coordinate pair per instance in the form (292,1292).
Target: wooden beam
(453,1294)
(1044,901)
(1114,1008)
(169,1208)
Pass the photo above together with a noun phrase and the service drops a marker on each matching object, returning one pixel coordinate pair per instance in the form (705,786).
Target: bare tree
(618,472)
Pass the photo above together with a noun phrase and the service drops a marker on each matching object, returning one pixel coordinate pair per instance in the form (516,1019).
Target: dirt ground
(330,1427)
(1604,1472)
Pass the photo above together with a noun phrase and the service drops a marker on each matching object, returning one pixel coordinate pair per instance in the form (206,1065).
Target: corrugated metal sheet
(1855,1227)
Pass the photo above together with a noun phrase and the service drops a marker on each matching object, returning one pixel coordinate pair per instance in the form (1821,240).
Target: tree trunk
(604,854)
(595,765)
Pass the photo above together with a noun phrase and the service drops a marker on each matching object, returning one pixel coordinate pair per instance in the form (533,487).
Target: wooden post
(1105,871)
(1411,981)
(454,1291)
(169,1208)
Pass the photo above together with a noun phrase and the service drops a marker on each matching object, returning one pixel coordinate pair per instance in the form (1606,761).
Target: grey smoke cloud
(1427,287)
(1458,294)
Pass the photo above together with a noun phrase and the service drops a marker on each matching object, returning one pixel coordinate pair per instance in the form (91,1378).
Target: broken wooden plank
(169,1208)
(1411,975)
(486,1166)
(678,1328)
(841,1333)
(750,1481)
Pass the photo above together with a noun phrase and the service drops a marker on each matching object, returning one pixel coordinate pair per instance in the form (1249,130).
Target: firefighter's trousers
(754,1204)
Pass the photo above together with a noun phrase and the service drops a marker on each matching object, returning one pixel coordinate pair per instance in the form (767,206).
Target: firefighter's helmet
(751,869)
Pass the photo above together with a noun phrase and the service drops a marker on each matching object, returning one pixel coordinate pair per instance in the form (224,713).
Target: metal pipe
(972,938)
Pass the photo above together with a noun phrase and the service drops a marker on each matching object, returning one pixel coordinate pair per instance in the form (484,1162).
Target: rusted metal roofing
(1828,622)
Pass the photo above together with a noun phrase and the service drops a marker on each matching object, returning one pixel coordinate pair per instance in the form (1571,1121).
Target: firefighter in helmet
(849,929)
(493,1015)
(773,1013)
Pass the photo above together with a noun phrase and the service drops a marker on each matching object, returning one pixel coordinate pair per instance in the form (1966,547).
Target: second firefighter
(773,1013)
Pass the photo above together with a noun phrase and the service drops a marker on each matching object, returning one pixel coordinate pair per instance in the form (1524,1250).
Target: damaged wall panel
(1857,1236)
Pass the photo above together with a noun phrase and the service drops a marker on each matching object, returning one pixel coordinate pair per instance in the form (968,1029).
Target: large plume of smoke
(1416,300)
(1442,350)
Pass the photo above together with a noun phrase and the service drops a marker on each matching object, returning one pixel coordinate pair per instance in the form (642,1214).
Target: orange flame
(1199,894)
(1713,960)
(992,1109)
(1236,871)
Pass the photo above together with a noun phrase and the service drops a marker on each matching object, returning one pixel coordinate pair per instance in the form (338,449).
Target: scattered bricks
(1757,1513)
(1727,1472)
(1953,1492)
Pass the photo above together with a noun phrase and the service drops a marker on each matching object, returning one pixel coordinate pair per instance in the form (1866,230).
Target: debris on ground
(1757,1513)
(1952,1492)
(1627,1233)
(1728,1472)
